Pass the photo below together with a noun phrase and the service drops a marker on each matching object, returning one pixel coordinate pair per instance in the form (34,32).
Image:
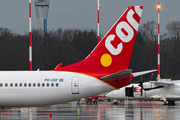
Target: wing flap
(163,83)
(117,76)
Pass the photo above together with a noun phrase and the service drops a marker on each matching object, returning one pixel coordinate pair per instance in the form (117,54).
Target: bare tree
(173,32)
(148,31)
(173,29)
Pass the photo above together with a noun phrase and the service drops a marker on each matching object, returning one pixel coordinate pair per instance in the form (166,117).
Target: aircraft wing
(124,75)
(117,76)
(163,83)
(165,96)
(142,73)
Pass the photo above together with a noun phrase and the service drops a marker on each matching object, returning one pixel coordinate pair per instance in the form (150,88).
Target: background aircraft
(161,90)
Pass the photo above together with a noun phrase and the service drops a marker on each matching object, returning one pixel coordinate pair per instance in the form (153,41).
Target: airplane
(130,92)
(162,90)
(103,70)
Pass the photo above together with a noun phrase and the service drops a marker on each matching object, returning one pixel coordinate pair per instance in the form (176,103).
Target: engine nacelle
(149,86)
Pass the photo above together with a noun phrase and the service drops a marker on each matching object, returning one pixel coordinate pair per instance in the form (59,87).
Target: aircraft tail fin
(113,52)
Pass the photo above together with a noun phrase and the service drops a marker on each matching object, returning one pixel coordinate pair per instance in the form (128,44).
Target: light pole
(30,39)
(158,7)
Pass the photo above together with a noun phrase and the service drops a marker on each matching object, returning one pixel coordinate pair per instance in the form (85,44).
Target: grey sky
(82,14)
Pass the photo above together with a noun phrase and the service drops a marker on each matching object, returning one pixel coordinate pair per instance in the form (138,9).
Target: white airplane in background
(105,69)
(161,90)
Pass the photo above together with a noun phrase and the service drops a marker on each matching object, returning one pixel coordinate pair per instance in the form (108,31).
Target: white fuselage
(170,92)
(38,88)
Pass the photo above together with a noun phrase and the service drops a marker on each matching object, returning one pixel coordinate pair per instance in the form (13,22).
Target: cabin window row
(30,84)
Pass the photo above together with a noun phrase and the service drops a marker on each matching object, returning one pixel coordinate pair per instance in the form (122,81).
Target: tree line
(68,46)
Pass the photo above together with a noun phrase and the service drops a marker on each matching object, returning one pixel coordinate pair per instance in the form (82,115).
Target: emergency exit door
(75,85)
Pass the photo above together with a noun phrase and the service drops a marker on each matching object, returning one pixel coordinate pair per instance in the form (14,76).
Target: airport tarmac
(128,110)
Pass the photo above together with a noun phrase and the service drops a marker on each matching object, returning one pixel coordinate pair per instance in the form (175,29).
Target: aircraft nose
(109,95)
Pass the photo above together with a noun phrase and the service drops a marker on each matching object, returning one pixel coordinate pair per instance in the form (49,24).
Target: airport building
(42,8)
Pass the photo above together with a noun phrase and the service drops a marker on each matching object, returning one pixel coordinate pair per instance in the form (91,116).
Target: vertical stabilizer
(113,53)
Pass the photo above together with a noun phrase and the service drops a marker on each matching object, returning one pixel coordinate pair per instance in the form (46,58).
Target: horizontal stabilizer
(117,76)
(142,73)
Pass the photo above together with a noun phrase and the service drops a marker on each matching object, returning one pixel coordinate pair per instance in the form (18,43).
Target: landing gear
(166,102)
(115,102)
(89,101)
(169,102)
(92,101)
(95,102)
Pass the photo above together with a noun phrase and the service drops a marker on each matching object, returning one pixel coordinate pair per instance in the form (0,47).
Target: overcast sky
(82,14)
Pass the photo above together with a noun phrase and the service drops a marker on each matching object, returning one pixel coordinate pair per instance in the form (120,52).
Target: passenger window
(20,84)
(16,84)
(11,85)
(43,84)
(38,84)
(52,84)
(1,85)
(6,84)
(34,84)
(29,84)
(25,84)
(47,84)
(57,84)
